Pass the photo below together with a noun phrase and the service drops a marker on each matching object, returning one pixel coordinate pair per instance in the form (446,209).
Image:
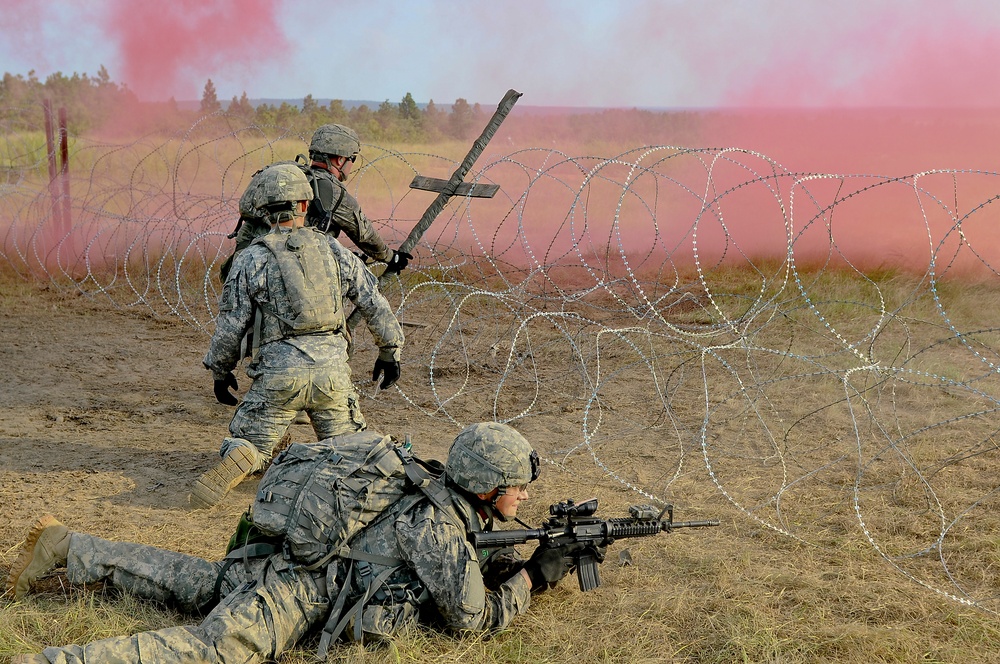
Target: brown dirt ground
(109,416)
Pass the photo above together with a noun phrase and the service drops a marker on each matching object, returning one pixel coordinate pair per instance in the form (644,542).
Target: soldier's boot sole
(45,548)
(214,484)
(30,659)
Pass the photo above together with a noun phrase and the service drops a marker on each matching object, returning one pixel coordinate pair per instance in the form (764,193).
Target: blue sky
(620,53)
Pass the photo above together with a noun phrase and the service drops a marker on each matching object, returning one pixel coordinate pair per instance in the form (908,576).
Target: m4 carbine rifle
(574,527)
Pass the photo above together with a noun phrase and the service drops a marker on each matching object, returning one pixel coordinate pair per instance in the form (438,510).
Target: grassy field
(818,555)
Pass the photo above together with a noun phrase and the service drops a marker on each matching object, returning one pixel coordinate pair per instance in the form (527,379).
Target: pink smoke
(917,56)
(171,49)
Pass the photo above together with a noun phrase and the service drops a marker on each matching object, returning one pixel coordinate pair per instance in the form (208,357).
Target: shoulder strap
(431,485)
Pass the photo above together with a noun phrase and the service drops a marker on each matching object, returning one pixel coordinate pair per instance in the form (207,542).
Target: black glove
(388,369)
(599,553)
(547,565)
(222,393)
(398,262)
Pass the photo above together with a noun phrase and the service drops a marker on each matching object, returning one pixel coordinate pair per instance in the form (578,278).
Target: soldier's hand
(547,565)
(398,262)
(389,370)
(222,393)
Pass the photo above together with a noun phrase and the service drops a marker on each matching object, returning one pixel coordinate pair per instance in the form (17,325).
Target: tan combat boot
(29,659)
(214,484)
(45,548)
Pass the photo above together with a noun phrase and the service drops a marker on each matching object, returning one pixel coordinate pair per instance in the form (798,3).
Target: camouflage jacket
(255,278)
(343,213)
(439,576)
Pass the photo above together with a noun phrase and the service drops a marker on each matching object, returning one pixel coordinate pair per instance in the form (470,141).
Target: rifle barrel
(692,524)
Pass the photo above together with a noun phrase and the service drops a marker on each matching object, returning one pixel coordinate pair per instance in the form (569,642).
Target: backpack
(317,496)
(311,278)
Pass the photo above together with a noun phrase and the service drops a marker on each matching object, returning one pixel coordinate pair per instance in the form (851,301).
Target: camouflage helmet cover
(277,183)
(336,140)
(488,455)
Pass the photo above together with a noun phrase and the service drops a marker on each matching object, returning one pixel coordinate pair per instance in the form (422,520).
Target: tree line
(95,102)
(96,105)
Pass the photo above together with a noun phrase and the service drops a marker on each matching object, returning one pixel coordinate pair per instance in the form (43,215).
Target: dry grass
(788,580)
(718,598)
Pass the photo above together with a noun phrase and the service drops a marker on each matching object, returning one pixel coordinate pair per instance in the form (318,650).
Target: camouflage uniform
(174,579)
(258,621)
(345,215)
(333,209)
(308,372)
(274,604)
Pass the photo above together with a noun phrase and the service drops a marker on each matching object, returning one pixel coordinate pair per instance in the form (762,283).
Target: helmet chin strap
(494,511)
(275,219)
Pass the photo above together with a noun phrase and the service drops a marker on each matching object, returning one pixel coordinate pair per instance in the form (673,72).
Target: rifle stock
(574,524)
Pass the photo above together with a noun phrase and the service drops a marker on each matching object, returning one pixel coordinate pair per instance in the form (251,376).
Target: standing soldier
(332,152)
(289,285)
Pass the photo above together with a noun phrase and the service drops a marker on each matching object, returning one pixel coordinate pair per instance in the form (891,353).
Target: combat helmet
(335,140)
(488,455)
(273,191)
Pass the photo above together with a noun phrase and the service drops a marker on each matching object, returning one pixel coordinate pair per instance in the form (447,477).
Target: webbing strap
(258,324)
(236,231)
(253,550)
(430,486)
(244,553)
(332,631)
(374,558)
(327,636)
(329,215)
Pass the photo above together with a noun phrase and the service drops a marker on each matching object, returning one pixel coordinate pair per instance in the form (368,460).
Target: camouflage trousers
(257,622)
(276,397)
(167,577)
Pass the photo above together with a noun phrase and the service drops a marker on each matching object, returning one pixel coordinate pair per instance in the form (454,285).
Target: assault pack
(311,276)
(316,496)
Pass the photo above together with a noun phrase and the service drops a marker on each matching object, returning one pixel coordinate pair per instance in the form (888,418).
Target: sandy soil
(109,416)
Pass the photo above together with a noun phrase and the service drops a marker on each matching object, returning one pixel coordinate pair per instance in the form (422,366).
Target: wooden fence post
(66,218)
